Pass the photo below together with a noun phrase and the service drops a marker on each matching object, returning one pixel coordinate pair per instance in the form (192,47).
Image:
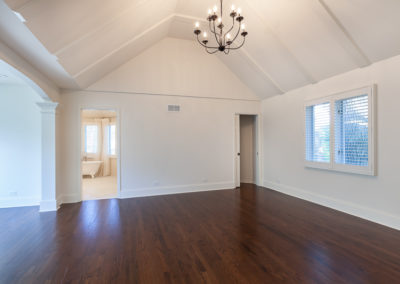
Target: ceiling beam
(243,52)
(109,22)
(285,48)
(108,61)
(340,33)
(250,59)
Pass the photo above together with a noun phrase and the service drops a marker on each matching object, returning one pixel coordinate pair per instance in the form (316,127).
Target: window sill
(367,171)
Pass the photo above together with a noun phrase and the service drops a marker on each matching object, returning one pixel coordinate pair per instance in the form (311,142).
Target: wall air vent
(174,108)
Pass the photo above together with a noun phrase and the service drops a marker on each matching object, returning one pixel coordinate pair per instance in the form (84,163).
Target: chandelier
(223,37)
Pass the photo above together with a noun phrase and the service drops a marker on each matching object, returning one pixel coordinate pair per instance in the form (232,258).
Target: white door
(237,150)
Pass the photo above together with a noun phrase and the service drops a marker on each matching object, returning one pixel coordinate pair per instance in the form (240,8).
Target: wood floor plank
(247,235)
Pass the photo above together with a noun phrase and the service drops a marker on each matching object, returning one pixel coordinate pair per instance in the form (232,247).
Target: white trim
(167,190)
(259,149)
(19,201)
(118,156)
(369,214)
(247,180)
(47,107)
(48,205)
(332,99)
(70,198)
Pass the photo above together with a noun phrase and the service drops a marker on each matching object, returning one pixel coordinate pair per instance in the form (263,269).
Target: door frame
(118,137)
(258,154)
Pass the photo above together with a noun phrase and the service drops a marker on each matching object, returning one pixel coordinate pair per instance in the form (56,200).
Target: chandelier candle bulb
(223,39)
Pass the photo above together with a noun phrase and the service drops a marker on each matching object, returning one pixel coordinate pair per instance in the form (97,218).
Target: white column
(48,200)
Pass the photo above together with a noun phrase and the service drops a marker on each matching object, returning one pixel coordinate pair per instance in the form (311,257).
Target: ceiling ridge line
(153,27)
(243,52)
(362,59)
(298,64)
(92,32)
(161,94)
(21,6)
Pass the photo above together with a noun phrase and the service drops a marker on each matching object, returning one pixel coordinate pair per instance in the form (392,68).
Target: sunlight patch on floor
(99,188)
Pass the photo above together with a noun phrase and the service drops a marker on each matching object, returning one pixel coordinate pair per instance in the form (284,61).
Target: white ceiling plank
(181,27)
(111,37)
(341,33)
(18,37)
(112,21)
(291,43)
(125,52)
(261,70)
(284,47)
(16,4)
(58,23)
(373,25)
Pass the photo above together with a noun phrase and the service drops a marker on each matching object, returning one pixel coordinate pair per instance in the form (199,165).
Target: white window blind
(351,131)
(340,132)
(318,133)
(91,136)
(112,140)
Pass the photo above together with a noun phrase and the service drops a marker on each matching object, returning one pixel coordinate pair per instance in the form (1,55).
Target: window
(351,131)
(112,140)
(91,136)
(318,133)
(339,132)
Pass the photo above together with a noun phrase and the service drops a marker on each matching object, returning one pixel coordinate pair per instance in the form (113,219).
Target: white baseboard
(48,205)
(247,180)
(166,190)
(70,198)
(369,214)
(19,202)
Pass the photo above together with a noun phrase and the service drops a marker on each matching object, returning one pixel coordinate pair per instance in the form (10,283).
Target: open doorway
(99,154)
(246,150)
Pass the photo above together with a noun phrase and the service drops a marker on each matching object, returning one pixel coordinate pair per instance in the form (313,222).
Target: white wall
(176,67)
(162,152)
(374,198)
(20,146)
(247,148)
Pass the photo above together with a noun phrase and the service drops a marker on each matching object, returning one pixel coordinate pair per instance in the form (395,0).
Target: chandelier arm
(211,29)
(238,32)
(233,25)
(206,46)
(234,48)
(216,38)
(211,52)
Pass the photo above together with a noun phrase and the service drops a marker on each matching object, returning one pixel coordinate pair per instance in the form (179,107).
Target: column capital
(47,107)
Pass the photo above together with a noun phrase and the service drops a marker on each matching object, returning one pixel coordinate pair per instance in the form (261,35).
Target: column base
(48,205)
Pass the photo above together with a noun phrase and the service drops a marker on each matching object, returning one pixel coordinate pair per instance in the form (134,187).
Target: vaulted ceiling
(291,43)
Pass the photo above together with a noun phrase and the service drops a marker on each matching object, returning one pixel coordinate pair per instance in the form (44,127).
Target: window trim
(332,165)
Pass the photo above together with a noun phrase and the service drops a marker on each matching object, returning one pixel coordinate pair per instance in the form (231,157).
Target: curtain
(105,123)
(102,144)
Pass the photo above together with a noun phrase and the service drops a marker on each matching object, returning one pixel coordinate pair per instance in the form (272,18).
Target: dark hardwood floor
(251,235)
